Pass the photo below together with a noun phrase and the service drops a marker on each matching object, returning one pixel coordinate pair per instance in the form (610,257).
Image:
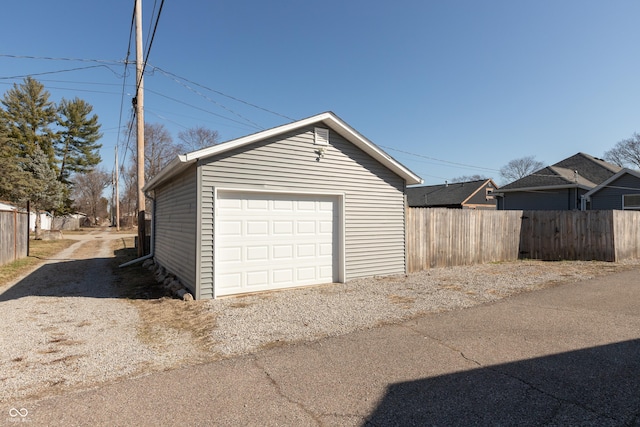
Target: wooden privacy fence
(449,237)
(65,223)
(14,236)
(567,235)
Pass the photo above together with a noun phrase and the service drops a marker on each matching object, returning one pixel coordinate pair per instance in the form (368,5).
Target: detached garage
(306,203)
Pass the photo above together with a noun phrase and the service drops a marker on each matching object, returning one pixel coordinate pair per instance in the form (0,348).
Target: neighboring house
(459,195)
(305,203)
(45,217)
(7,207)
(557,187)
(620,191)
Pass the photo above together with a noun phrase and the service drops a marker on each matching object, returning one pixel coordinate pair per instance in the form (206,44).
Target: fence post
(15,234)
(28,220)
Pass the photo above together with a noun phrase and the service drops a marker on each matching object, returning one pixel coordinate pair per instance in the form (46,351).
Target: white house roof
(6,207)
(181,162)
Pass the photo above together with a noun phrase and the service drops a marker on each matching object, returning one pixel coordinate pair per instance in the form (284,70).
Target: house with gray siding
(621,191)
(306,203)
(560,186)
(476,194)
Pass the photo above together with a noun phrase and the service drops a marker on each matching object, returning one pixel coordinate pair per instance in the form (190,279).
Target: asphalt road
(568,355)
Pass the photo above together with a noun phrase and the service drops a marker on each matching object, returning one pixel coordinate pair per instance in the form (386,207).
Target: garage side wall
(374,230)
(175,227)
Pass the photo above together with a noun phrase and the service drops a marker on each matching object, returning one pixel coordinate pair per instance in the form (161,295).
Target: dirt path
(64,324)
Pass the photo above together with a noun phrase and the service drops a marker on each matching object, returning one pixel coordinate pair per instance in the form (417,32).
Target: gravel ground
(65,327)
(249,323)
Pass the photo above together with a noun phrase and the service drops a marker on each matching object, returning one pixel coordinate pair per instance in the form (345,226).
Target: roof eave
(173,168)
(327,118)
(611,179)
(544,187)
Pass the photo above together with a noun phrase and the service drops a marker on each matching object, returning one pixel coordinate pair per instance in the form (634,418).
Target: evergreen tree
(14,180)
(27,117)
(44,190)
(77,148)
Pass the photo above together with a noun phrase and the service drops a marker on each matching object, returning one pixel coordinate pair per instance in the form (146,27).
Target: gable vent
(321,136)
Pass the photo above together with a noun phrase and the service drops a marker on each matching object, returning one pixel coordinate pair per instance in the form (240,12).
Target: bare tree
(129,197)
(467,178)
(87,190)
(519,168)
(159,149)
(198,137)
(625,152)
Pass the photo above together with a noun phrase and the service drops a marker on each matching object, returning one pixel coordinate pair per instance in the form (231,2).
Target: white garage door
(271,241)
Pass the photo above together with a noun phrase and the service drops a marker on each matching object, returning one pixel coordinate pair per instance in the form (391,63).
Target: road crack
(282,394)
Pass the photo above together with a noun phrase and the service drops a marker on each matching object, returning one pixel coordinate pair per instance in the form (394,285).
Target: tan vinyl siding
(373,202)
(175,227)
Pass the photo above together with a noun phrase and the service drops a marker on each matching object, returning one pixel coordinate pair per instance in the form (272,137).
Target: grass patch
(274,344)
(159,314)
(403,301)
(39,251)
(133,282)
(177,316)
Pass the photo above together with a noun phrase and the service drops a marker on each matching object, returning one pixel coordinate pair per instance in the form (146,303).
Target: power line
(50,58)
(200,109)
(153,35)
(257,126)
(153,12)
(175,76)
(440,160)
(74,89)
(59,71)
(124,82)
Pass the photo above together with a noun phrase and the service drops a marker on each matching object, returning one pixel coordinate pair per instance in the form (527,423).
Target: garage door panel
(229,281)
(229,228)
(283,205)
(230,254)
(283,276)
(256,278)
(268,241)
(281,252)
(326,271)
(230,204)
(325,227)
(283,228)
(306,205)
(305,251)
(325,249)
(257,253)
(308,273)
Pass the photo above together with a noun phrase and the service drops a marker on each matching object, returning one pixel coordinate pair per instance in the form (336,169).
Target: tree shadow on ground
(93,278)
(595,386)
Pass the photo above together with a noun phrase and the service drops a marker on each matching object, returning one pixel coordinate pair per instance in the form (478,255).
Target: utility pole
(139,104)
(117,197)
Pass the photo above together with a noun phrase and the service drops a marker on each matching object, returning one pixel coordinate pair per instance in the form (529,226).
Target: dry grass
(167,316)
(160,315)
(39,251)
(274,344)
(403,301)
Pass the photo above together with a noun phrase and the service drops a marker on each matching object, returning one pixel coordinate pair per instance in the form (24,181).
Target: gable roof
(613,178)
(591,171)
(445,194)
(181,162)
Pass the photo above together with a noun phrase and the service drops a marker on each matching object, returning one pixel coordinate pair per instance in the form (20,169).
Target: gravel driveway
(66,327)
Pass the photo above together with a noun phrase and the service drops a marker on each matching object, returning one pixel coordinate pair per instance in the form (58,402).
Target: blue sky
(471,82)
